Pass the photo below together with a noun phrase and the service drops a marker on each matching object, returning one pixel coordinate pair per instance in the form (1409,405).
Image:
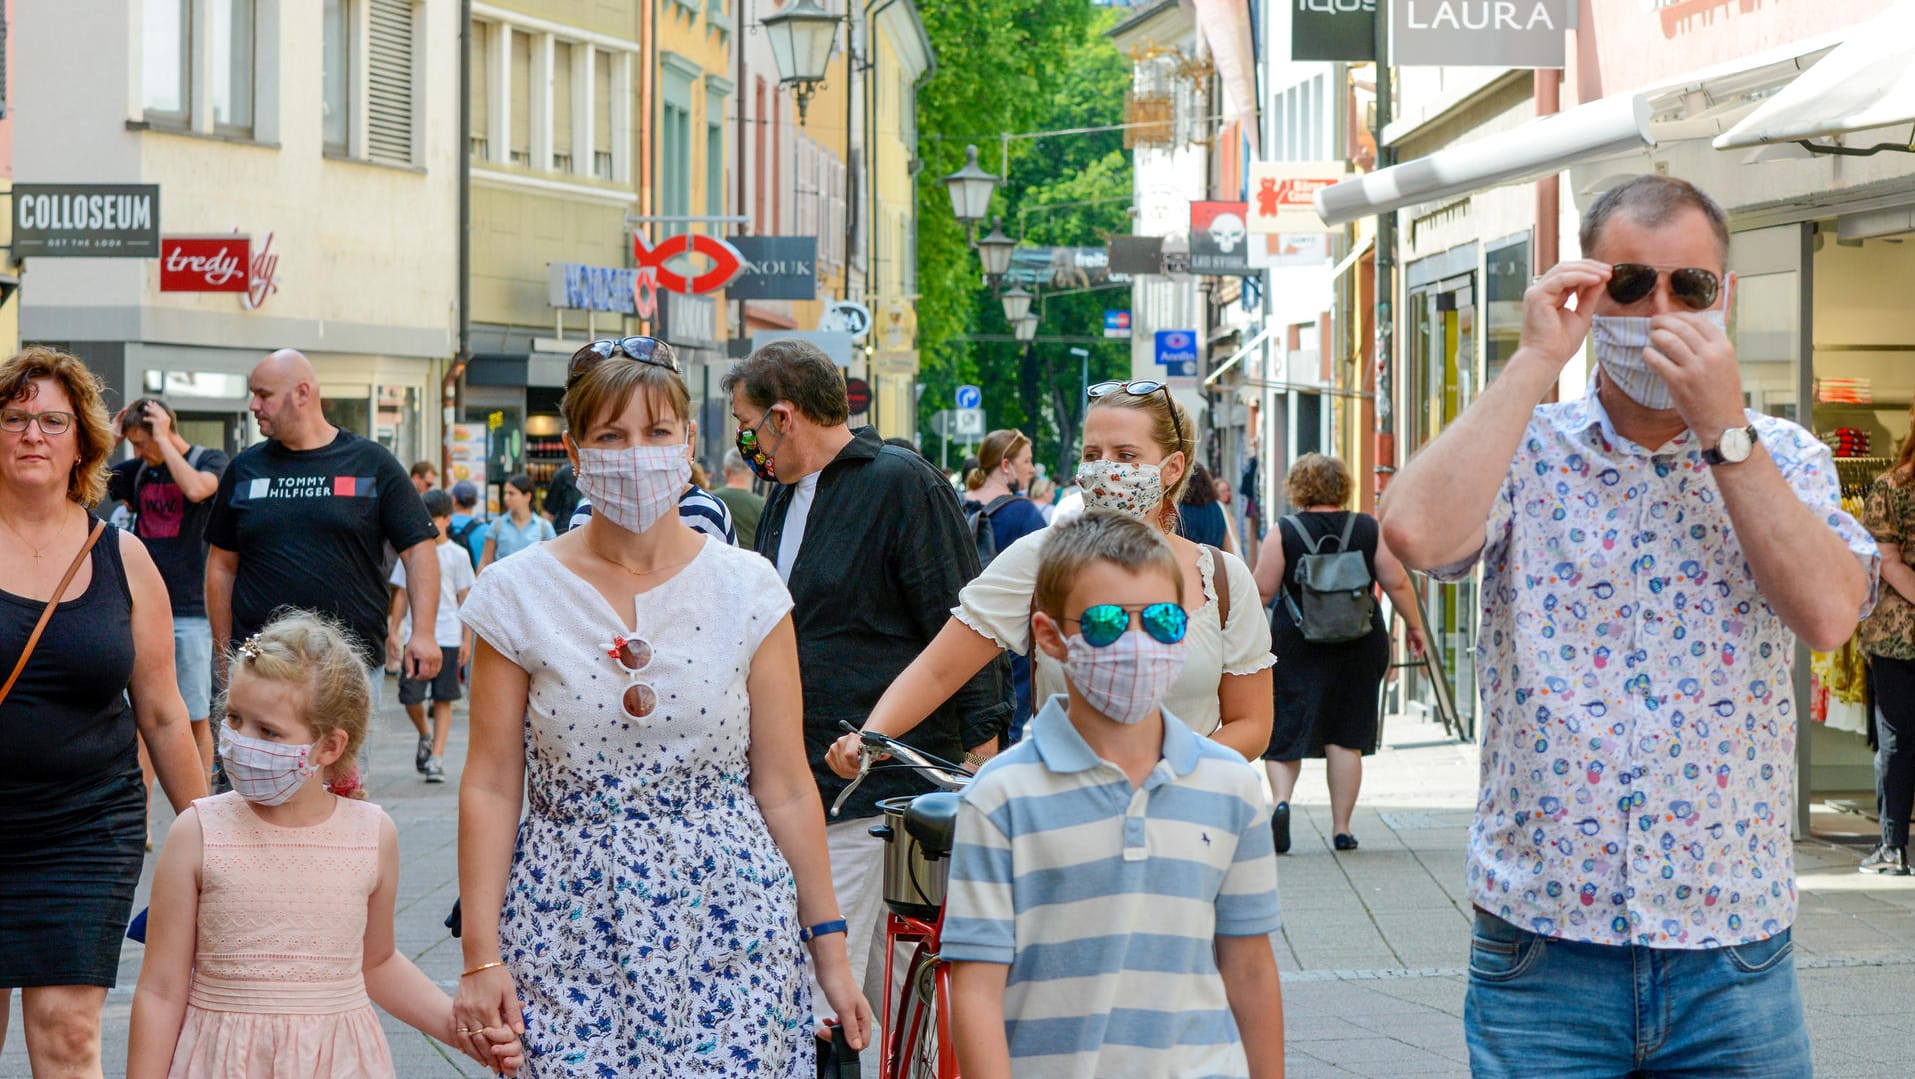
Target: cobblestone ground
(1374,944)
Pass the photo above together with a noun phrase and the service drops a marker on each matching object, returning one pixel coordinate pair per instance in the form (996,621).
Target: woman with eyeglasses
(86,655)
(1138,445)
(652,915)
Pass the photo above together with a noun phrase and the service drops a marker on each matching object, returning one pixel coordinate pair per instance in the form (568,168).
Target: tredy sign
(1480,33)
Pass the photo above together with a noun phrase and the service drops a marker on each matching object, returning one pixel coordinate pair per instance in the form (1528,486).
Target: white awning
(1542,147)
(1866,82)
(1353,257)
(1237,356)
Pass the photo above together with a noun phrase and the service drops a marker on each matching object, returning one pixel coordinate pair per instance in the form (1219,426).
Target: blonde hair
(315,654)
(997,448)
(606,388)
(91,424)
(1100,536)
(1317,480)
(1160,406)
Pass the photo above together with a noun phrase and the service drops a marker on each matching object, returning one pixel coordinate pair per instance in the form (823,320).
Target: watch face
(1736,445)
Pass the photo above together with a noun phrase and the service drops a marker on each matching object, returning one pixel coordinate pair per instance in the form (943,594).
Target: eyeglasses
(1103,624)
(643,349)
(633,654)
(1631,281)
(14,421)
(1143,387)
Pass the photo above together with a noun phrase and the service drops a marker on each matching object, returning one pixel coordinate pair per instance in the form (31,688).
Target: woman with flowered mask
(653,736)
(1138,443)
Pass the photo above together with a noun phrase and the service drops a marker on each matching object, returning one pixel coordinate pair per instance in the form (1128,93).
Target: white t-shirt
(794,534)
(455,576)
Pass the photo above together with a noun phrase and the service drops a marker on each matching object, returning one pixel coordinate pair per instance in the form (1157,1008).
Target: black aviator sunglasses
(1143,387)
(642,349)
(1631,281)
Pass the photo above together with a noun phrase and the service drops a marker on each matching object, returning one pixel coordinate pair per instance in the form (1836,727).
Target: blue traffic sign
(970,397)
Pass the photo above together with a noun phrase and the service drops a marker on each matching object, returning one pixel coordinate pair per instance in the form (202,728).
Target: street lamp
(1017,304)
(970,189)
(1027,328)
(803,37)
(995,250)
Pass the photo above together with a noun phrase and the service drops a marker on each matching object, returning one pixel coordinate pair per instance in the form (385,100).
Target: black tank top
(67,725)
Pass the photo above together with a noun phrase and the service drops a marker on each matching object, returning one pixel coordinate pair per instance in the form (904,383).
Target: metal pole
(452,391)
(1385,272)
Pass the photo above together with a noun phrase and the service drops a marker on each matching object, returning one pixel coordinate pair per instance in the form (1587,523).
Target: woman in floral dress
(639,683)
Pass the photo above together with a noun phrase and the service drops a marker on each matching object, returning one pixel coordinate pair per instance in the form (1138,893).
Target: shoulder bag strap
(46,616)
(1220,580)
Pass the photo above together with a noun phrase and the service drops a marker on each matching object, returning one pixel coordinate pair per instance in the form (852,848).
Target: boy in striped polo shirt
(1113,884)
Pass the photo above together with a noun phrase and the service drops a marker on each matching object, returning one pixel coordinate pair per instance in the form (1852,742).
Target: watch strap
(1713,454)
(822,929)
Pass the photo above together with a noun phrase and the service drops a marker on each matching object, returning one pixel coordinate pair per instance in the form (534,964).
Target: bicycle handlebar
(877,746)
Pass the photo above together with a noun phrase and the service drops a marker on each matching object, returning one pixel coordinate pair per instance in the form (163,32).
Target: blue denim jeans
(1542,1006)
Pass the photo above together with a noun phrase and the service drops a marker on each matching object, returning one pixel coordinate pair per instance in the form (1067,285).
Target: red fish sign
(726,263)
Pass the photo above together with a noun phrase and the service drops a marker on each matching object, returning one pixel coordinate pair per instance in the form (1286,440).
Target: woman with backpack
(1318,569)
(999,514)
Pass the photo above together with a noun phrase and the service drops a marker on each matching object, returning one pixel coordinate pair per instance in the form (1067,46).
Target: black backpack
(977,518)
(461,533)
(1338,603)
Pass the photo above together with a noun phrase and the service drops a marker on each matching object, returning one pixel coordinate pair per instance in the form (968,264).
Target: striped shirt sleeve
(1247,903)
(979,911)
(703,512)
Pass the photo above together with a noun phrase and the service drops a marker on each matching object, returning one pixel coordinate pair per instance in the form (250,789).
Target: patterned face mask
(634,487)
(1618,343)
(1127,679)
(266,773)
(1133,489)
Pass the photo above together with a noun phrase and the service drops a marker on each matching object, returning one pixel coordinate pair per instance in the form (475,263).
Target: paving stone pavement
(1374,944)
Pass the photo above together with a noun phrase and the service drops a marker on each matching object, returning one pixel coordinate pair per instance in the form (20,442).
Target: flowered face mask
(762,461)
(636,486)
(1124,486)
(1127,679)
(266,773)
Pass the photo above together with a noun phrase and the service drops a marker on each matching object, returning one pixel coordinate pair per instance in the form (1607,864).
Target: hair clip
(250,647)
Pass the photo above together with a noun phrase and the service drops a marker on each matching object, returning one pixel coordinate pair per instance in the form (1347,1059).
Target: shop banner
(206,263)
(1281,193)
(838,346)
(1136,254)
(689,322)
(1333,30)
(776,268)
(1217,239)
(86,221)
(1480,33)
(1063,267)
(576,287)
(1177,353)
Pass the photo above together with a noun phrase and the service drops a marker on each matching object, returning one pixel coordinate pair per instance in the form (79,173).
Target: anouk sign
(1480,33)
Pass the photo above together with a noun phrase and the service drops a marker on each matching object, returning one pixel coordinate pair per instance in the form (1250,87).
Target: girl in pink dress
(270,936)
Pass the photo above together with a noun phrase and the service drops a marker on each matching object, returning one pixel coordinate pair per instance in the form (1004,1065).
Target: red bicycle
(917,832)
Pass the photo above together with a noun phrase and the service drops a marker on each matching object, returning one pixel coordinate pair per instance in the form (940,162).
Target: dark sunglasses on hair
(1143,387)
(1631,281)
(1103,624)
(643,349)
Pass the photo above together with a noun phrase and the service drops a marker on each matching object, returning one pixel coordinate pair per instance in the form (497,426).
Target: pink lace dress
(277,987)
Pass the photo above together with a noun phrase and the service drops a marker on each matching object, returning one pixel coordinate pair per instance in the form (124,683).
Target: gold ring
(464,1033)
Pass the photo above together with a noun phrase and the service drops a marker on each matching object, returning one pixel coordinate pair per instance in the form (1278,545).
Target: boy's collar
(1064,750)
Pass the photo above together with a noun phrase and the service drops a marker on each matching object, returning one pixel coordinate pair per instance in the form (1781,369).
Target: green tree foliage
(1008,67)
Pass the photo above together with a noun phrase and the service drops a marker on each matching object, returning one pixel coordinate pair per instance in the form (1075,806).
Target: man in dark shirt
(872,544)
(299,521)
(746,505)
(168,487)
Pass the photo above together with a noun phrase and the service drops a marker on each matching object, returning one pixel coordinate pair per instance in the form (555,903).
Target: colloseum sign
(86,220)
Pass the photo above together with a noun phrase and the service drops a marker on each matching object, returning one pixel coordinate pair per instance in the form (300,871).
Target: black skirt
(69,864)
(1326,694)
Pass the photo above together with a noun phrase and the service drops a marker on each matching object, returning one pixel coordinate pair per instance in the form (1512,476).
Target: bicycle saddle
(931,819)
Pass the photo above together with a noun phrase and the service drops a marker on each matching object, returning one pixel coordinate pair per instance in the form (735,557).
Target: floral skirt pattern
(660,942)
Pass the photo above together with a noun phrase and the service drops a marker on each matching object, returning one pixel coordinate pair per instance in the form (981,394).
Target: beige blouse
(997,604)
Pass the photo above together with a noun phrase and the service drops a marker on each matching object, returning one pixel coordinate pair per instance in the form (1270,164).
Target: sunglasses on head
(643,349)
(1631,281)
(1102,624)
(1143,387)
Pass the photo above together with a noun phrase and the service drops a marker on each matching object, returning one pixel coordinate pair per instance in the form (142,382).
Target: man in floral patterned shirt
(1652,552)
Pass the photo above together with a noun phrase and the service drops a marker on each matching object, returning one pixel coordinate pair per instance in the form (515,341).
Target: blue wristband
(822,929)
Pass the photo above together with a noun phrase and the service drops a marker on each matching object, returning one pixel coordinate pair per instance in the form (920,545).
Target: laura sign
(1480,33)
(206,263)
(1280,194)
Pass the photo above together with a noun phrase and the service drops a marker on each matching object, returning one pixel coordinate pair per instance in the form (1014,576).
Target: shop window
(165,59)
(230,64)
(562,102)
(335,68)
(1508,279)
(389,63)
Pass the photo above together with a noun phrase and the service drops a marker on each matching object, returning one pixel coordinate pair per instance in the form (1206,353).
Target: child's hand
(508,1053)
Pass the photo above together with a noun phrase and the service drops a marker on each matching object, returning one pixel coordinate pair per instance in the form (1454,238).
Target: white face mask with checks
(1127,679)
(264,772)
(634,487)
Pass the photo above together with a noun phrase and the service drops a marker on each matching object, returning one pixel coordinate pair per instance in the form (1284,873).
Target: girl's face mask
(265,773)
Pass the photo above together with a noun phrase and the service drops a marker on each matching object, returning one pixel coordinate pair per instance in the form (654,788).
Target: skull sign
(1227,231)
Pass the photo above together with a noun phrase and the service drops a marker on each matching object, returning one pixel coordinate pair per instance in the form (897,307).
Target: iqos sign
(1333,30)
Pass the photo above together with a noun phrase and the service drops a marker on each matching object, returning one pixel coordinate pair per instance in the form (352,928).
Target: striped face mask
(266,773)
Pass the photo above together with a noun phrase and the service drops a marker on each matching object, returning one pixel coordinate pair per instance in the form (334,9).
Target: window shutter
(562,106)
(481,41)
(602,114)
(519,138)
(389,81)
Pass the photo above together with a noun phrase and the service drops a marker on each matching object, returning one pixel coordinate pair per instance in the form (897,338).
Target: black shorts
(444,686)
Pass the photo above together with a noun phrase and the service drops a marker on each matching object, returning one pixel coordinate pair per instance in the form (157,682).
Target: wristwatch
(1733,448)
